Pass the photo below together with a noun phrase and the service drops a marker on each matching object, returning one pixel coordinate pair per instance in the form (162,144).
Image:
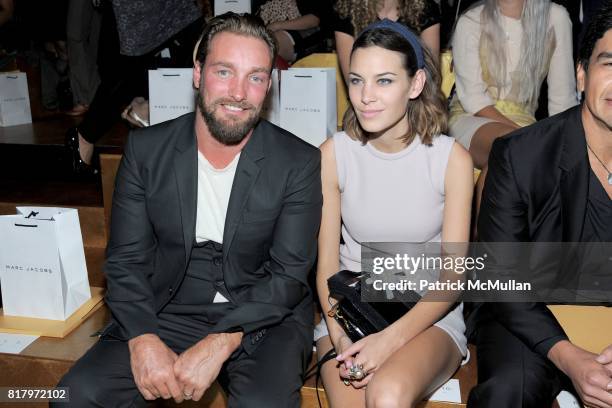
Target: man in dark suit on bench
(213,234)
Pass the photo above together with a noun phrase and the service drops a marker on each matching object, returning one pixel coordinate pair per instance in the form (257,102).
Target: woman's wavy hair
(362,13)
(535,45)
(426,114)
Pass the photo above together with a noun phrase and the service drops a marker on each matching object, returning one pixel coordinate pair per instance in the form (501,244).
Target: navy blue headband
(405,32)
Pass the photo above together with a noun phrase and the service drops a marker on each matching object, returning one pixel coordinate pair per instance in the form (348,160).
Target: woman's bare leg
(480,147)
(338,394)
(414,371)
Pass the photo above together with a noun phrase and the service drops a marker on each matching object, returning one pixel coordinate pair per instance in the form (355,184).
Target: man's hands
(591,374)
(605,358)
(199,366)
(152,365)
(159,372)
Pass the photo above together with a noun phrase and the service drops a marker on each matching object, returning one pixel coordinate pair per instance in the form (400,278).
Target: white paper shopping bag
(237,6)
(14,99)
(271,107)
(42,263)
(171,93)
(308,103)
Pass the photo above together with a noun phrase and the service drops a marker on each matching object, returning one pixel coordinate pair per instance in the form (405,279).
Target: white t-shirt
(214,188)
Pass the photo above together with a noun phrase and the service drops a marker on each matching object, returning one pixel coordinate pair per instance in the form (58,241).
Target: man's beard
(226,132)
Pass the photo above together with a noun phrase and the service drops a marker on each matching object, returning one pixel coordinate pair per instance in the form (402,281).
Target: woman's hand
(341,345)
(370,353)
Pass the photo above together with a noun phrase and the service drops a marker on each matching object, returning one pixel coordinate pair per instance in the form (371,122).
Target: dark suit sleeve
(292,256)
(130,252)
(503,218)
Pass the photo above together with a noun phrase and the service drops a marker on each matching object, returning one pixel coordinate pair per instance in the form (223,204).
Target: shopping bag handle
(32,214)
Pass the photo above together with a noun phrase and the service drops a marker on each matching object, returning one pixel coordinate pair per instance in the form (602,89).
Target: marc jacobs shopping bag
(42,263)
(14,99)
(271,107)
(308,103)
(171,93)
(237,6)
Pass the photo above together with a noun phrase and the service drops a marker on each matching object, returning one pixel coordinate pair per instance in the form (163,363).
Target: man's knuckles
(595,379)
(157,377)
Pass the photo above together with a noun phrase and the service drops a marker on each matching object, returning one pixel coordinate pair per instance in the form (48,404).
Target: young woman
(422,16)
(391,176)
(502,51)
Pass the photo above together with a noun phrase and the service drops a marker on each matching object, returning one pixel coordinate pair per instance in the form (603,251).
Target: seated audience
(393,147)
(422,16)
(213,236)
(299,26)
(549,182)
(502,51)
(82,31)
(128,48)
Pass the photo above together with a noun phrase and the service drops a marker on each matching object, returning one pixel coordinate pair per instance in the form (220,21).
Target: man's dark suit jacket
(536,190)
(269,240)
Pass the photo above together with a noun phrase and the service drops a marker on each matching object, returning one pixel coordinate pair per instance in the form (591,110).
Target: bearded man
(213,234)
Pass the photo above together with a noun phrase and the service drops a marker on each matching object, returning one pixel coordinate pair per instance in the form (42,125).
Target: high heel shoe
(79,167)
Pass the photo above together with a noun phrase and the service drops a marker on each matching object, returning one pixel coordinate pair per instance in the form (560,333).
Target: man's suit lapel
(244,180)
(574,166)
(186,172)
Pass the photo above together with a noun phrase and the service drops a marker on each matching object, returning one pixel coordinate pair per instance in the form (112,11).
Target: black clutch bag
(360,319)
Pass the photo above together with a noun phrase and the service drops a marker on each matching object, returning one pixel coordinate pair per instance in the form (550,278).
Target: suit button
(170,290)
(217,260)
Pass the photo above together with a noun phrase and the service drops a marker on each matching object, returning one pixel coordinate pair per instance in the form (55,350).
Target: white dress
(393,197)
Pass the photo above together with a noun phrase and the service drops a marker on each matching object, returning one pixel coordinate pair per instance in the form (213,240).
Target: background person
(502,51)
(422,16)
(300,26)
(132,37)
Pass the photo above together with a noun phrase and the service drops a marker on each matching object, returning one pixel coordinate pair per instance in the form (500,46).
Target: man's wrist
(560,353)
(140,338)
(228,342)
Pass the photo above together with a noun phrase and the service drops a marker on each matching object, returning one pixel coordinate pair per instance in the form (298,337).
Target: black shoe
(79,167)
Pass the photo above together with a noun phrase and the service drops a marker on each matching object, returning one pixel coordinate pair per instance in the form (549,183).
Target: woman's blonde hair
(426,114)
(362,13)
(537,44)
